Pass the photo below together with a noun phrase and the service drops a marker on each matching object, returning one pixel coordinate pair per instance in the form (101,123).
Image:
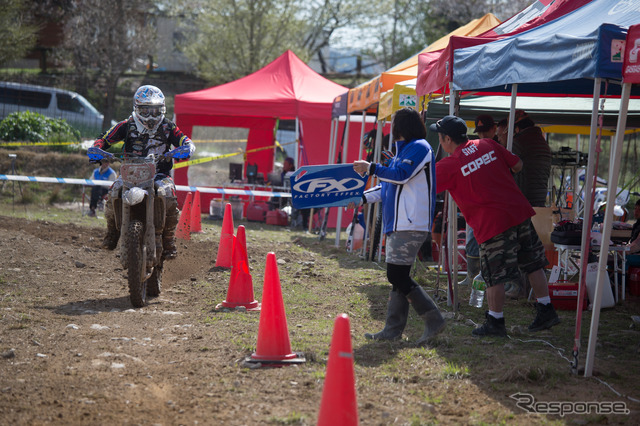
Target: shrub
(33,127)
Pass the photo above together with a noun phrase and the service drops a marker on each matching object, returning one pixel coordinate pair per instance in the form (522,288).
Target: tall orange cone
(338,405)
(196,214)
(240,292)
(225,248)
(273,347)
(183,225)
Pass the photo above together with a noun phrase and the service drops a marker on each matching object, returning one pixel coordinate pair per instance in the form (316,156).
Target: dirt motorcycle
(139,212)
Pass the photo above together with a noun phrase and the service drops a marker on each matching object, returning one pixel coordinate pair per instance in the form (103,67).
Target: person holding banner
(477,174)
(407,193)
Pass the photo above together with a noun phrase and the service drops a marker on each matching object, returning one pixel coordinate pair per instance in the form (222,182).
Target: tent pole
(297,147)
(332,142)
(512,116)
(345,150)
(364,119)
(587,210)
(616,155)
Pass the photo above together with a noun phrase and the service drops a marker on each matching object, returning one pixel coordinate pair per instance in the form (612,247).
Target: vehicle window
(27,98)
(69,103)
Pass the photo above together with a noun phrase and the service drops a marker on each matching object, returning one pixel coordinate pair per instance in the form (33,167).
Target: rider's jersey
(141,141)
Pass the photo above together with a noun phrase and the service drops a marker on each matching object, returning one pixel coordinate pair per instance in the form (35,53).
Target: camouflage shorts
(517,247)
(402,246)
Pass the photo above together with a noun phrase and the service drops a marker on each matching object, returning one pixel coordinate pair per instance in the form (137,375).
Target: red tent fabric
(284,89)
(435,68)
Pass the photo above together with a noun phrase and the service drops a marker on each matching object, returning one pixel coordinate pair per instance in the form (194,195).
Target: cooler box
(256,212)
(277,217)
(564,296)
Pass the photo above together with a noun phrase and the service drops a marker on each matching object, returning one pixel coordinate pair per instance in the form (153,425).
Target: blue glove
(180,153)
(96,154)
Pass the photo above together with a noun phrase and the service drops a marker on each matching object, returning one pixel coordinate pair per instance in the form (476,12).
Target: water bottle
(477,291)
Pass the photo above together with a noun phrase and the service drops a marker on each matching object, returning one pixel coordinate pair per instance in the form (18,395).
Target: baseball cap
(451,126)
(484,123)
(520,115)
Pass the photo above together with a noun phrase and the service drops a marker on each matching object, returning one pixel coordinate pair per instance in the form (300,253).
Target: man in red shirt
(478,175)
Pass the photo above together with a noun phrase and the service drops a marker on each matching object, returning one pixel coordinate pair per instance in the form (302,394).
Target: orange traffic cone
(196,214)
(338,405)
(225,248)
(240,292)
(183,225)
(273,347)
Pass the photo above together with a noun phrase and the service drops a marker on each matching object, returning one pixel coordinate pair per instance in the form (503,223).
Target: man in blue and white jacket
(407,192)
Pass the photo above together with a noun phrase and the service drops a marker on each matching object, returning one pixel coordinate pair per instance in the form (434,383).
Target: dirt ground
(74,351)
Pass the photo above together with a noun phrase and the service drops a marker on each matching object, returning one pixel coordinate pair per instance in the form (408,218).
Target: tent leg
(616,155)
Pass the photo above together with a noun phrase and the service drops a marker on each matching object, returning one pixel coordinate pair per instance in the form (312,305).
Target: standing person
(478,175)
(407,193)
(502,132)
(485,128)
(148,131)
(288,167)
(103,172)
(531,146)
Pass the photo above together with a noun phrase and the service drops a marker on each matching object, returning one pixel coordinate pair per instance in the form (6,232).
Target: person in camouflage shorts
(517,248)
(478,175)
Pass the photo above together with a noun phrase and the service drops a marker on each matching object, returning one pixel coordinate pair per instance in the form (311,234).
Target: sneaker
(491,327)
(546,317)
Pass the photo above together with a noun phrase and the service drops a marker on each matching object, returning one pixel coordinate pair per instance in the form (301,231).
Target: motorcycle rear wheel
(136,269)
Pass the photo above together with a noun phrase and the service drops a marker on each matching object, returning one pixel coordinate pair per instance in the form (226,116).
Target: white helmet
(148,106)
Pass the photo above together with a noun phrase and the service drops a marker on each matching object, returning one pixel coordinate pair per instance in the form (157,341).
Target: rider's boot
(169,232)
(111,239)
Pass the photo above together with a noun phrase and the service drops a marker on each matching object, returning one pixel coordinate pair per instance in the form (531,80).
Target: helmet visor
(146,111)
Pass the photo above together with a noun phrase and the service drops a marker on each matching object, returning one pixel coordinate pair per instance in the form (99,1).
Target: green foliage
(33,127)
(18,36)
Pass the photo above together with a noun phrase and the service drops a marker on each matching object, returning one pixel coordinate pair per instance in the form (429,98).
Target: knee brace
(400,278)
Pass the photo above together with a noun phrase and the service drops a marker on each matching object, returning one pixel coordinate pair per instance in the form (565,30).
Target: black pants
(400,278)
(97,192)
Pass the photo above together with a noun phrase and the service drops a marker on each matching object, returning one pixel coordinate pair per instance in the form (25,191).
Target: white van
(50,102)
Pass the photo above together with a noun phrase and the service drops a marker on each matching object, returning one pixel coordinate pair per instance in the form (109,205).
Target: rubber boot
(110,241)
(473,269)
(397,314)
(428,311)
(169,250)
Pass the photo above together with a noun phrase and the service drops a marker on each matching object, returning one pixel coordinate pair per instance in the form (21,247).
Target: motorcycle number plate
(137,173)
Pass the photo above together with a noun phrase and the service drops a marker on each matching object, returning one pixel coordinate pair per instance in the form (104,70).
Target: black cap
(451,126)
(484,123)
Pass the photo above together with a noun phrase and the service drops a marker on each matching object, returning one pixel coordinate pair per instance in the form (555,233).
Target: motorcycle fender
(134,196)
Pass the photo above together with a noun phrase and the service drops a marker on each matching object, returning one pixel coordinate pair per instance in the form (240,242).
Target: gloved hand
(181,152)
(96,154)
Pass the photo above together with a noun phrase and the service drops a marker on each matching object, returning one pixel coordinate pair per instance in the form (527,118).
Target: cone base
(251,306)
(292,358)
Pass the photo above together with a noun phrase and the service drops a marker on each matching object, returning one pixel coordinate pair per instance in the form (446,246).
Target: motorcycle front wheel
(136,268)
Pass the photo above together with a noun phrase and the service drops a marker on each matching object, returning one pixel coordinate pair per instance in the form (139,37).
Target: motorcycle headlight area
(134,196)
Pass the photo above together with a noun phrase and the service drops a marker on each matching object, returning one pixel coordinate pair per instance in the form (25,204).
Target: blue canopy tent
(581,49)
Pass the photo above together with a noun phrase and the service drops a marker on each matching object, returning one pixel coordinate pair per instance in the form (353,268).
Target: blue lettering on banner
(330,185)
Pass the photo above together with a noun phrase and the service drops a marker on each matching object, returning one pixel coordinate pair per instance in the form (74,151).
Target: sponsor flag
(330,185)
(631,69)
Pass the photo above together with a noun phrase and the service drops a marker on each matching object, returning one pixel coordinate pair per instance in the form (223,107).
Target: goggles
(146,111)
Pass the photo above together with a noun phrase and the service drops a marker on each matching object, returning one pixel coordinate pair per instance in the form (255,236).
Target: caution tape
(233,154)
(3,144)
(201,189)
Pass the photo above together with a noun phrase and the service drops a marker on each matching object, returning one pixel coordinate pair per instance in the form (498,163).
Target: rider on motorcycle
(148,131)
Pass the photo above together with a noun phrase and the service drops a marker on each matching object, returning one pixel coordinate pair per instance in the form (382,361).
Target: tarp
(576,46)
(368,93)
(434,69)
(284,89)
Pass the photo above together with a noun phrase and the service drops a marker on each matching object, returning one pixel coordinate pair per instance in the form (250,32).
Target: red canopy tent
(284,89)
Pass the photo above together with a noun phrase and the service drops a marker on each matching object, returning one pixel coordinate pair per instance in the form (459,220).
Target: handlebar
(96,154)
